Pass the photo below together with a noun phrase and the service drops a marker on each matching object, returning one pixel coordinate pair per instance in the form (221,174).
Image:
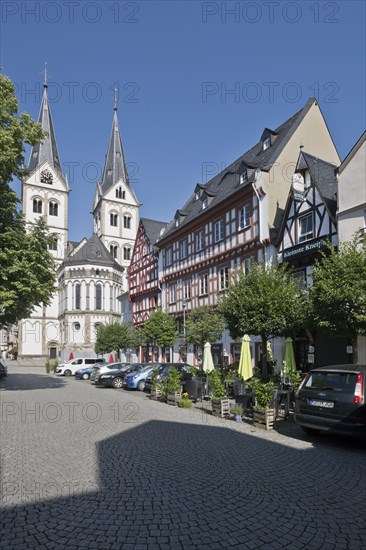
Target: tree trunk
(264,357)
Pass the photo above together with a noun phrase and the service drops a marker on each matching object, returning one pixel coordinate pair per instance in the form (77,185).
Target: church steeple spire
(115,169)
(47,150)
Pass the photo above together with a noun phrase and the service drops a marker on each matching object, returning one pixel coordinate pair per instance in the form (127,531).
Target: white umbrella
(208,364)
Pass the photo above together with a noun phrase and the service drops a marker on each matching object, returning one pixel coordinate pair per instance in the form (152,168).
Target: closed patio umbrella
(71,356)
(245,369)
(289,364)
(207,365)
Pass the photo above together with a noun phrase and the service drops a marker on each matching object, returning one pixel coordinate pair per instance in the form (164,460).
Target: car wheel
(67,372)
(141,385)
(117,383)
(85,376)
(310,431)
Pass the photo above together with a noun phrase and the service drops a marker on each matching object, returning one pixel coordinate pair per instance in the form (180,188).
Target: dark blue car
(84,374)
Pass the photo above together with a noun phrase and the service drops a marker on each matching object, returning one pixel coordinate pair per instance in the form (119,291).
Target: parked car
(333,399)
(3,370)
(163,371)
(135,380)
(116,379)
(84,374)
(70,367)
(99,370)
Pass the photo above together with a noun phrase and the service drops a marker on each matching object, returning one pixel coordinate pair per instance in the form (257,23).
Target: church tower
(116,208)
(45,194)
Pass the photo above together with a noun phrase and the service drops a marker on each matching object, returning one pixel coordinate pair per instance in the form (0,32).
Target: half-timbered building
(309,222)
(143,287)
(229,221)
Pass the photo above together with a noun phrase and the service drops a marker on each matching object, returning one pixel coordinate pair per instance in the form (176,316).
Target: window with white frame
(53,244)
(37,206)
(113,219)
(77,296)
(113,250)
(98,296)
(187,289)
(120,193)
(219,231)
(248,264)
(199,241)
(203,284)
(172,294)
(127,222)
(168,257)
(223,278)
(53,208)
(306,227)
(244,176)
(126,253)
(266,143)
(183,249)
(204,203)
(244,216)
(300,278)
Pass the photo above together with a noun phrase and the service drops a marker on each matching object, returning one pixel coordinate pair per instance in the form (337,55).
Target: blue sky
(175,64)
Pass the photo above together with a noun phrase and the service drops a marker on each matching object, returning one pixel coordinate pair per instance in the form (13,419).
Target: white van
(70,367)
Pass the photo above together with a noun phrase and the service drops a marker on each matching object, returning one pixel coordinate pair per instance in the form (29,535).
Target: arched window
(53,244)
(126,253)
(114,220)
(53,208)
(98,296)
(37,206)
(127,222)
(113,250)
(120,193)
(77,296)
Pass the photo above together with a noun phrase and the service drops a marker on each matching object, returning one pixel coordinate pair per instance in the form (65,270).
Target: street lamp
(184,305)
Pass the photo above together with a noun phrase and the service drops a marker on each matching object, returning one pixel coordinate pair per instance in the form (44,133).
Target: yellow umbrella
(245,364)
(289,364)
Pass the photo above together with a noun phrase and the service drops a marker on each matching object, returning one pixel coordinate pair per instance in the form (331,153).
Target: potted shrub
(264,414)
(156,387)
(171,387)
(219,403)
(237,411)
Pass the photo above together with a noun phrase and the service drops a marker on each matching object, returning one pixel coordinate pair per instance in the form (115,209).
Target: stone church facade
(91,274)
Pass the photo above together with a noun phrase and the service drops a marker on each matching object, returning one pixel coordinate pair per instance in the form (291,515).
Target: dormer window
(267,143)
(204,203)
(244,176)
(177,222)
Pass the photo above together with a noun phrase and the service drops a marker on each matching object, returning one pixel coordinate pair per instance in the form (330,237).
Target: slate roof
(48,149)
(323,174)
(93,252)
(226,183)
(115,165)
(153,229)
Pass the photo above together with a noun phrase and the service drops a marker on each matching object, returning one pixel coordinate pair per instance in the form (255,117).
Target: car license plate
(325,404)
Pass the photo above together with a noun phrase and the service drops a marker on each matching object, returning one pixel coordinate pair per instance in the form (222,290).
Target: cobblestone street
(89,467)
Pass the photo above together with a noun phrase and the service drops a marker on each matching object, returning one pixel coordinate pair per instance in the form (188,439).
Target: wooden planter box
(222,408)
(155,393)
(264,419)
(173,398)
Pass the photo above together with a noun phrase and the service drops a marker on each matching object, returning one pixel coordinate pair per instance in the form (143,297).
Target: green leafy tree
(160,329)
(27,273)
(203,325)
(265,302)
(115,336)
(338,294)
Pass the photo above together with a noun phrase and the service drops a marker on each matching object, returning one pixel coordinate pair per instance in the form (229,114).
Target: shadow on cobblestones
(169,485)
(24,382)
